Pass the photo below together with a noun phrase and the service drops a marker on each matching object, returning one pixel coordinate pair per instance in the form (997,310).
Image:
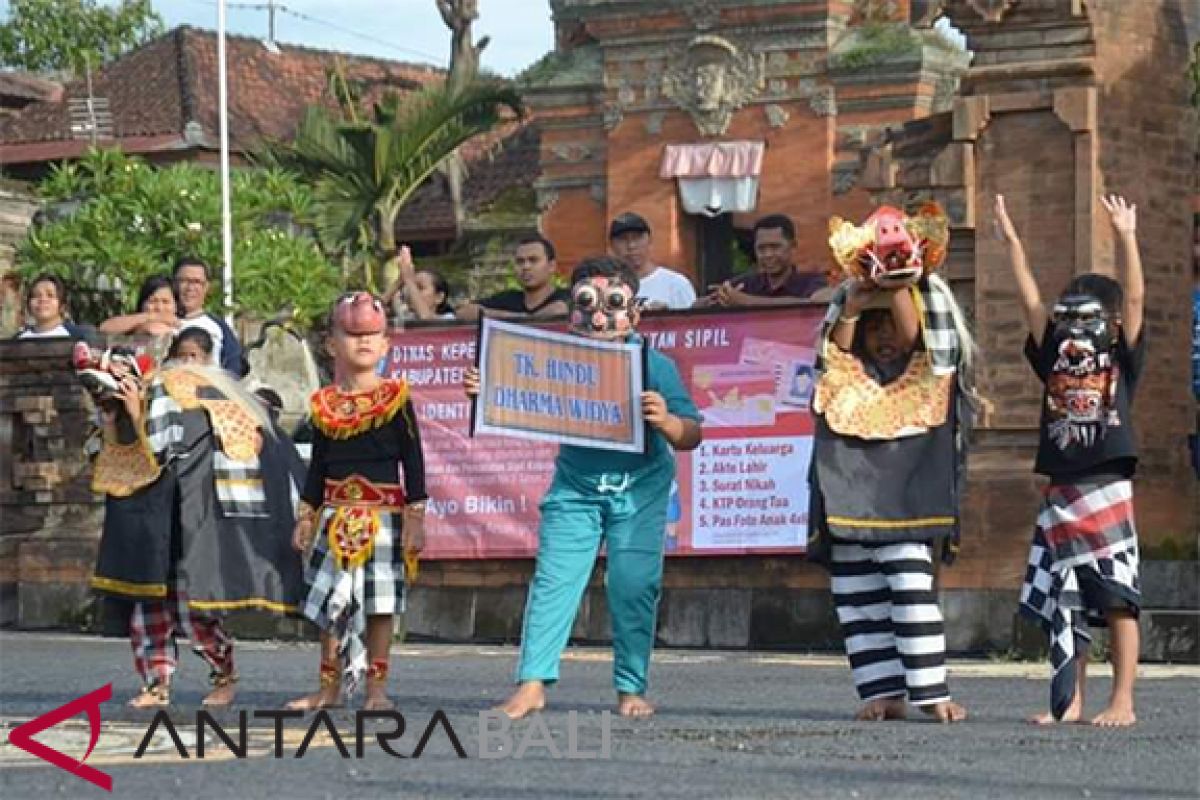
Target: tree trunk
(389,272)
(464,68)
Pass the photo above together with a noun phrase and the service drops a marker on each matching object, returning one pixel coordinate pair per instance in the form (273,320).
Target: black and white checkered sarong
(339,601)
(1084,554)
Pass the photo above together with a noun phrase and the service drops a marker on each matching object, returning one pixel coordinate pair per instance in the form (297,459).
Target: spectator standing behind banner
(46,306)
(422,294)
(629,237)
(191,284)
(156,312)
(534,266)
(778,281)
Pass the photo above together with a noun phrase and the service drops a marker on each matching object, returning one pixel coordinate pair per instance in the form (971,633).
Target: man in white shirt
(629,238)
(191,285)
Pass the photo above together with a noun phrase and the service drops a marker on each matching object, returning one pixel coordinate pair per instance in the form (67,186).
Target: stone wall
(49,518)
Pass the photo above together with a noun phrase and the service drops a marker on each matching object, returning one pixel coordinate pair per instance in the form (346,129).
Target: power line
(364,36)
(276,7)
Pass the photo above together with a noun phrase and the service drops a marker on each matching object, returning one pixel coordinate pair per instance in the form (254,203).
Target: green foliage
(876,43)
(364,168)
(133,221)
(43,35)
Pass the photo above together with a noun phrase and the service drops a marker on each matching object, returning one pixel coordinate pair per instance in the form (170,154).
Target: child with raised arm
(597,496)
(1083,565)
(363,502)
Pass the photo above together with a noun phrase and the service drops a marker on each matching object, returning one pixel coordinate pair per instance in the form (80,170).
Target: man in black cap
(629,237)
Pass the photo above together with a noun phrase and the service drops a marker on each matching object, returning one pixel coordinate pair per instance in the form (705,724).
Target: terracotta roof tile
(20,88)
(170,81)
(512,162)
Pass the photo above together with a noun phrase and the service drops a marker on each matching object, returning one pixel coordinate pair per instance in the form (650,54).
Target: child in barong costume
(362,510)
(598,496)
(888,456)
(198,510)
(1083,566)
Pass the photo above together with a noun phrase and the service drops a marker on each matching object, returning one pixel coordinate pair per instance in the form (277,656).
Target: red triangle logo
(22,736)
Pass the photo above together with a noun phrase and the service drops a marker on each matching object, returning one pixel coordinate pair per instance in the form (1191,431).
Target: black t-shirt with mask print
(1086,428)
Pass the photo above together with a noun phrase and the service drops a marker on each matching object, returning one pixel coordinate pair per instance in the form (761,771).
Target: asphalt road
(730,725)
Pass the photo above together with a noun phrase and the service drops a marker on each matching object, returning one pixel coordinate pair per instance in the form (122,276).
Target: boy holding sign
(603,495)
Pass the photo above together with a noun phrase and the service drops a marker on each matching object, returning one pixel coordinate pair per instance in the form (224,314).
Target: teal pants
(627,513)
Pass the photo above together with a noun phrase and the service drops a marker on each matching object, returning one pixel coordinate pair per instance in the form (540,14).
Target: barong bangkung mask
(101,371)
(891,248)
(603,307)
(1081,388)
(359,314)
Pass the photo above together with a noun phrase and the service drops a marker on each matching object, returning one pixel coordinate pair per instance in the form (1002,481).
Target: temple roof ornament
(710,79)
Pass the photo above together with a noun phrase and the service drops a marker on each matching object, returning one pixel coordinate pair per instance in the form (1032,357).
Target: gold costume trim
(122,469)
(125,587)
(855,404)
(340,415)
(236,429)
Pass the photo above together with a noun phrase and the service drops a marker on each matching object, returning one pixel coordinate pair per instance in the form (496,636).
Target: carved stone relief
(704,14)
(546,198)
(823,102)
(777,115)
(710,79)
(613,114)
(991,10)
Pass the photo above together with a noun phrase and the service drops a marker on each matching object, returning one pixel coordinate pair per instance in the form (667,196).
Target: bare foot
(377,699)
(151,697)
(327,697)
(530,696)
(946,711)
(881,709)
(220,696)
(1117,715)
(1074,713)
(633,705)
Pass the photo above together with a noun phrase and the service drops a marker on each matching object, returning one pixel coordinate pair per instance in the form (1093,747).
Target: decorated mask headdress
(891,248)
(359,314)
(602,307)
(101,371)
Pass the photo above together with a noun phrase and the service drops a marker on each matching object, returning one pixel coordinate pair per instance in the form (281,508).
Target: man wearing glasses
(191,285)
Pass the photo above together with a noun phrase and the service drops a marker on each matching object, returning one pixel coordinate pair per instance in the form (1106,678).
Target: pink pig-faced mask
(603,307)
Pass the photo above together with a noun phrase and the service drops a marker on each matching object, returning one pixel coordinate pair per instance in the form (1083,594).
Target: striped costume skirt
(1083,563)
(341,596)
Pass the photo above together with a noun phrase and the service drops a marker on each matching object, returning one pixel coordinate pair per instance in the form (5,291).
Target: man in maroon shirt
(777,281)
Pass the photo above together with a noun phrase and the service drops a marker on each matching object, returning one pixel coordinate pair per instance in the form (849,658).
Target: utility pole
(271,21)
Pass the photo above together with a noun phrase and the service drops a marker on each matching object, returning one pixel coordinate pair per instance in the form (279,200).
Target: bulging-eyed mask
(359,314)
(1083,320)
(603,307)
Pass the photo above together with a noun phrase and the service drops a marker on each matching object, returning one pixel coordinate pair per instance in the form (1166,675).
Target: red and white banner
(744,490)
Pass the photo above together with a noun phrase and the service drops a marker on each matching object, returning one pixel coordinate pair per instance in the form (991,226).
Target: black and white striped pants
(890,620)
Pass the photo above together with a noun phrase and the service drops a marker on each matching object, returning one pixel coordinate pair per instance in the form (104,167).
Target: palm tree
(364,171)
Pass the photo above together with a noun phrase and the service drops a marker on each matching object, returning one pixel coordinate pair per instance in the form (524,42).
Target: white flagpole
(226,205)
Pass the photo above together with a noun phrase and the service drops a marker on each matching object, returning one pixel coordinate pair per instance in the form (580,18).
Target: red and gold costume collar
(340,414)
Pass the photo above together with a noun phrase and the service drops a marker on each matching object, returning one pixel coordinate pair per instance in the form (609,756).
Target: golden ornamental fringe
(342,415)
